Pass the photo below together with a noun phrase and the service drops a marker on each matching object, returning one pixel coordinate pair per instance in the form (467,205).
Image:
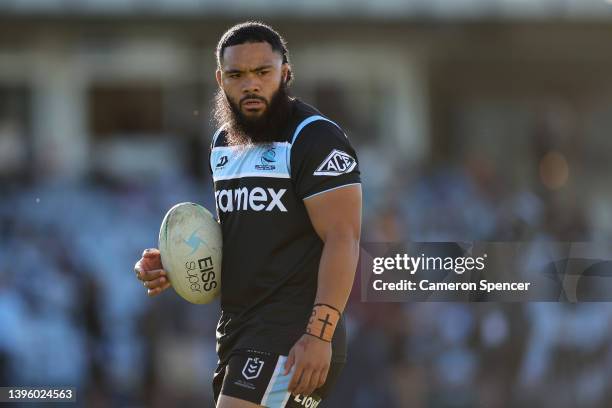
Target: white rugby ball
(190,247)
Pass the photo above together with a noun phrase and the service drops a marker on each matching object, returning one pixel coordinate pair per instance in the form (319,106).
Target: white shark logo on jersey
(336,163)
(257,199)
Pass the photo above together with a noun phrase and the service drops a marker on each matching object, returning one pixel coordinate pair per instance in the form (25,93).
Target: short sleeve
(209,159)
(322,159)
(215,141)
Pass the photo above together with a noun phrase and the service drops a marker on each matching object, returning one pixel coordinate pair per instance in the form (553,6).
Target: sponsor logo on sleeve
(335,164)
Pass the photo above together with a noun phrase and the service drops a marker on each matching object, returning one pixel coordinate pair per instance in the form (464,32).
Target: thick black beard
(242,130)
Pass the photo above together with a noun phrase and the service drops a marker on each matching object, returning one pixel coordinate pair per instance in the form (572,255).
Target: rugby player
(288,197)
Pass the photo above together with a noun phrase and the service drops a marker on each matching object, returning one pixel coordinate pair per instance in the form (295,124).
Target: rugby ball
(190,247)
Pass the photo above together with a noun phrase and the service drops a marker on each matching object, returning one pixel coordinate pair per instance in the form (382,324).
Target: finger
(153,292)
(304,384)
(143,266)
(323,377)
(151,259)
(314,381)
(159,289)
(295,379)
(156,283)
(150,253)
(138,269)
(156,291)
(152,274)
(289,362)
(310,386)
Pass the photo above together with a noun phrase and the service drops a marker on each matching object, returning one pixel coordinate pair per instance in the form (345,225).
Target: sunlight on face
(250,74)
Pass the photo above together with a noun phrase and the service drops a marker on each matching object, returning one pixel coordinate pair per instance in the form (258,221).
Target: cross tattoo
(325,324)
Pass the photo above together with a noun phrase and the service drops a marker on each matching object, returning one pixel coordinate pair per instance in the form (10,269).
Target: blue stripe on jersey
(308,121)
(233,162)
(301,126)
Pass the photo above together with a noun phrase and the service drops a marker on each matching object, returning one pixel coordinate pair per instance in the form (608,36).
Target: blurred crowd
(479,120)
(73,313)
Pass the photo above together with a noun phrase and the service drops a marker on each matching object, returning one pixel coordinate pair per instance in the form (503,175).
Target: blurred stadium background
(473,120)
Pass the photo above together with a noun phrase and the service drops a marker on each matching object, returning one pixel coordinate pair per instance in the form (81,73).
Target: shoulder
(218,138)
(312,126)
(320,141)
(319,132)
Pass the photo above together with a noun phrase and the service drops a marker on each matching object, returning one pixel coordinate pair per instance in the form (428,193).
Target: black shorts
(257,376)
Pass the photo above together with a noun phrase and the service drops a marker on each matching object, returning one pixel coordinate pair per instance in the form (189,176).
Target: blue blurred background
(473,120)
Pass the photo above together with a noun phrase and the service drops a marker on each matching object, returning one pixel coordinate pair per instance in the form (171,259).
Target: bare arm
(336,218)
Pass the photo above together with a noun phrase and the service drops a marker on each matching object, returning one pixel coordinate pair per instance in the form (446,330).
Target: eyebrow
(260,68)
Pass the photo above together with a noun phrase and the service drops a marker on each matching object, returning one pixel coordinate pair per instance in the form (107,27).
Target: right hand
(149,270)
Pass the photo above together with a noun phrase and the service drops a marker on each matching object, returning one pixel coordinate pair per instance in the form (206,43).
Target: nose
(251,85)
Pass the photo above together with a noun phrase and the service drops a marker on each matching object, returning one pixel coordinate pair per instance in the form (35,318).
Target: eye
(234,75)
(262,73)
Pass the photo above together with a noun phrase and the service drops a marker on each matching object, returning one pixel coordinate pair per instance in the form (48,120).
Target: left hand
(311,357)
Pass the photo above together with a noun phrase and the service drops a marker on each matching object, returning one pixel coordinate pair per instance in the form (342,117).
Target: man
(288,198)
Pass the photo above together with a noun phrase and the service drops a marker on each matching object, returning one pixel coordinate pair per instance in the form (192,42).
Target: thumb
(150,253)
(289,362)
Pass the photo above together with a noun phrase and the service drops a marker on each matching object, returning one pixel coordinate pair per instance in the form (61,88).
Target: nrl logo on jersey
(252,368)
(336,163)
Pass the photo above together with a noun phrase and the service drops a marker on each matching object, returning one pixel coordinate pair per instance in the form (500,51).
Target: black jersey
(271,251)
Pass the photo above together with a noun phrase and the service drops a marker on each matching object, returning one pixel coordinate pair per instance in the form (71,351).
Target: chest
(237,162)
(252,180)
